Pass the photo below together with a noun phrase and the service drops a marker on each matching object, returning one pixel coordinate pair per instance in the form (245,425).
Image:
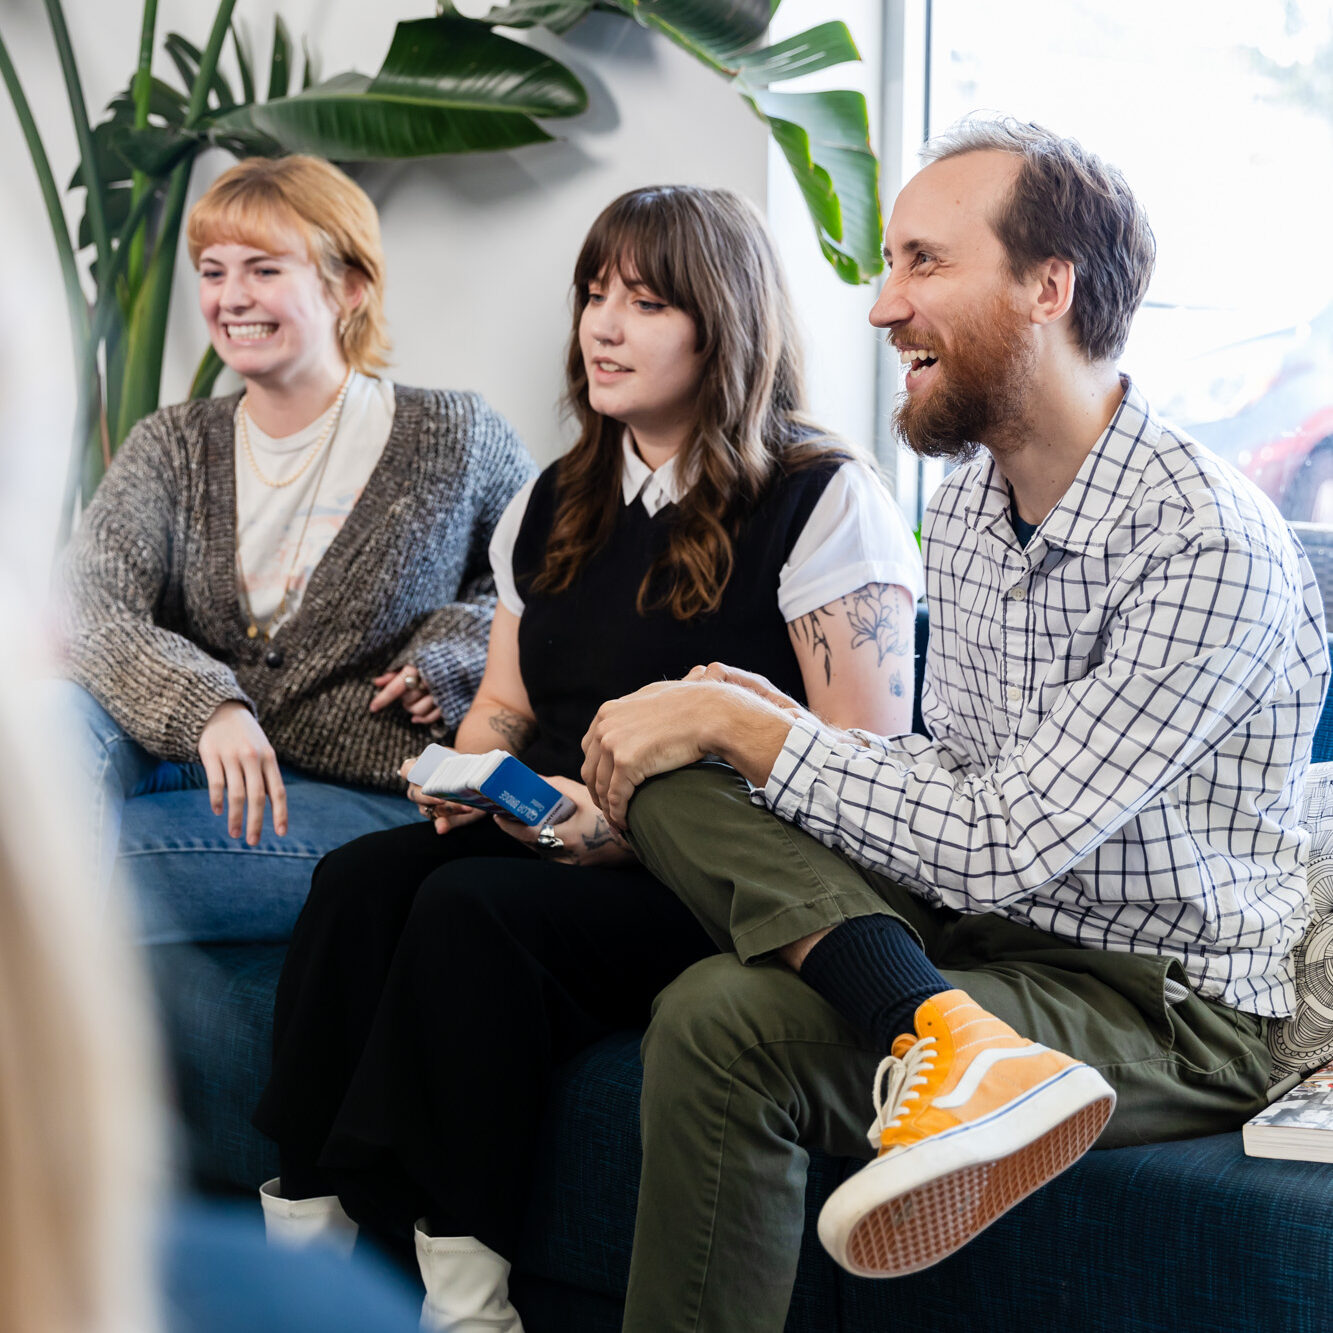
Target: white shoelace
(896,1083)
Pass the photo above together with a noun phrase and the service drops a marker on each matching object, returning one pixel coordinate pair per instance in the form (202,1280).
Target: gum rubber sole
(924,1225)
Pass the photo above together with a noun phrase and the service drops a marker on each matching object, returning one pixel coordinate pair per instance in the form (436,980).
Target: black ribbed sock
(872,971)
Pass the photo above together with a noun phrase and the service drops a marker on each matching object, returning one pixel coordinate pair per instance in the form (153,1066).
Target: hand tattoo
(602,833)
(515,729)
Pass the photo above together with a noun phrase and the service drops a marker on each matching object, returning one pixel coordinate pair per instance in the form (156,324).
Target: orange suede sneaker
(969,1119)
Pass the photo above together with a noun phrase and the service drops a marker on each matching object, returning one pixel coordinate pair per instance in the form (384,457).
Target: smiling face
(644,368)
(953,308)
(269,314)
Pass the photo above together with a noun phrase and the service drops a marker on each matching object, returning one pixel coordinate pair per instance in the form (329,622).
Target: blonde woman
(272,595)
(438,973)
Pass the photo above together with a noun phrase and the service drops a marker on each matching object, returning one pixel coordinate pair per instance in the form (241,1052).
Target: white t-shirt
(855,535)
(269,520)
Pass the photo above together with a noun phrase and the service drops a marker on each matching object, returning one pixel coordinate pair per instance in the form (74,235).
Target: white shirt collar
(657,489)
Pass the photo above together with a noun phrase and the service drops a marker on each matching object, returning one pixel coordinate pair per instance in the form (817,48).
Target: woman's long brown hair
(706,252)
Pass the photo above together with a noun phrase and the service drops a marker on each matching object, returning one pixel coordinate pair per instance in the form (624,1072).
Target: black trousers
(432,984)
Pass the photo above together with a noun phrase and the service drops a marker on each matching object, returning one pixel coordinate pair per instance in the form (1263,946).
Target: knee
(706,1019)
(685,799)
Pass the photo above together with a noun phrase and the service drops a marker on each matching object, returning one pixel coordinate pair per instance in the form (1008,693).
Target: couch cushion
(1305,1040)
(1184,1237)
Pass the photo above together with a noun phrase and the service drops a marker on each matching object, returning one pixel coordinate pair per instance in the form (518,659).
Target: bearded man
(1066,913)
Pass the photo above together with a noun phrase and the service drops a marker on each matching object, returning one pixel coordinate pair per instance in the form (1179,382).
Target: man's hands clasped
(716,709)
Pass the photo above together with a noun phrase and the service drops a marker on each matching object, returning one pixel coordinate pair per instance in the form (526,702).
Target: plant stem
(83,132)
(69,269)
(143,91)
(107,303)
(208,63)
(147,327)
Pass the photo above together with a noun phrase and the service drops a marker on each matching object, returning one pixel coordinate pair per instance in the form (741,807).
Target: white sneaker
(297,1223)
(467,1286)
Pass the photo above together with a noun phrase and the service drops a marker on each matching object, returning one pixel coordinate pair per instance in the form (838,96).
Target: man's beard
(980,391)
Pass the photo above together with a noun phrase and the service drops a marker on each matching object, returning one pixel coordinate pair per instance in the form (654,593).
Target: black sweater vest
(589,644)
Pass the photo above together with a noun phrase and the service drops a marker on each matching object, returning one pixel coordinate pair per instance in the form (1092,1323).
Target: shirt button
(1018,593)
(273,658)
(1014,694)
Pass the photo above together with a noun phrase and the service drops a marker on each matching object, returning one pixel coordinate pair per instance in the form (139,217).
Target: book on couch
(1298,1126)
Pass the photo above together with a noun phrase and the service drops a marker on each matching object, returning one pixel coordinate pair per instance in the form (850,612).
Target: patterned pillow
(1305,1040)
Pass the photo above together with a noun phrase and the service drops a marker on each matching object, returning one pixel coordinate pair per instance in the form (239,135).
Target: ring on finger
(411,680)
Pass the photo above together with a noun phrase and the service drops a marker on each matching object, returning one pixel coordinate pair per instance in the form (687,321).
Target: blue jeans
(191,882)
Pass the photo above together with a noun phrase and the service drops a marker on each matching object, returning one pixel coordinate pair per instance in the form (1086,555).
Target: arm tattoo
(813,634)
(874,618)
(514,729)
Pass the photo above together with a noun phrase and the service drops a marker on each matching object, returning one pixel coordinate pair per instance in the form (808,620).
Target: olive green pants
(746,1068)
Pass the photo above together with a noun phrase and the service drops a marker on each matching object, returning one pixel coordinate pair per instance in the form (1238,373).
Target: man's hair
(1066,203)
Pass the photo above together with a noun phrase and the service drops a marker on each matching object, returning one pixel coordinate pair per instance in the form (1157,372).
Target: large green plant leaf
(824,136)
(829,44)
(186,57)
(463,63)
(448,85)
(280,66)
(342,119)
(712,30)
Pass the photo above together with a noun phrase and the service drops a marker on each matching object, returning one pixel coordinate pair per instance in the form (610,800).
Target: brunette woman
(439,973)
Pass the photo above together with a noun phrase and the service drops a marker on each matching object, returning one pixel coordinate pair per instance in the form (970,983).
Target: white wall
(480,248)
(841,347)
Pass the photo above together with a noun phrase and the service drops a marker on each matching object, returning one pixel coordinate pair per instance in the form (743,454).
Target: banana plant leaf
(463,62)
(186,57)
(818,48)
(244,64)
(556,16)
(448,85)
(344,120)
(280,66)
(824,136)
(154,150)
(713,31)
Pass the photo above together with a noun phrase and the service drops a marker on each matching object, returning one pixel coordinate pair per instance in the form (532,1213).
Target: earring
(342,327)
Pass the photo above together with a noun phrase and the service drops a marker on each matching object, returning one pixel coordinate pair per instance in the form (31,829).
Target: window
(1220,114)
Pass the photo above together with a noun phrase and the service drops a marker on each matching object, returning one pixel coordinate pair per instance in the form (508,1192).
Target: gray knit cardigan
(151,622)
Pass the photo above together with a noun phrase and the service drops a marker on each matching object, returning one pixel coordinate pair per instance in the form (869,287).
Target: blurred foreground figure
(88,1243)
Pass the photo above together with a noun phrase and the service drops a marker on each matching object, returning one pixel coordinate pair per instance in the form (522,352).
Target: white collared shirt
(1121,714)
(855,535)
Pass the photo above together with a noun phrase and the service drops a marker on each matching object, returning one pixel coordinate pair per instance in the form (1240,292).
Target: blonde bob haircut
(261,201)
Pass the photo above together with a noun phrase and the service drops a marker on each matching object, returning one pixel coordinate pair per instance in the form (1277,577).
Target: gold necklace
(253,628)
(325,435)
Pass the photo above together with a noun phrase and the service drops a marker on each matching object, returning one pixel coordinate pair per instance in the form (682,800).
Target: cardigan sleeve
(449,646)
(161,687)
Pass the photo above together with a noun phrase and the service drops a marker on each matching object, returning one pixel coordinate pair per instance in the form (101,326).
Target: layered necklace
(254,629)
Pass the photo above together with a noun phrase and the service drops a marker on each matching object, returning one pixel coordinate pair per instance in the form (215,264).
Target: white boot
(467,1286)
(297,1223)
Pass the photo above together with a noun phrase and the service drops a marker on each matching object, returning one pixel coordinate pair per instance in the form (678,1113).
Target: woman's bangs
(636,246)
(254,219)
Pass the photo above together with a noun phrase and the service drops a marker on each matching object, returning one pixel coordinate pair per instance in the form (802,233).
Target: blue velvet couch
(1183,1237)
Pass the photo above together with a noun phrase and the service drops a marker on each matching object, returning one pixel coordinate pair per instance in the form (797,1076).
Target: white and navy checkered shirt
(1121,716)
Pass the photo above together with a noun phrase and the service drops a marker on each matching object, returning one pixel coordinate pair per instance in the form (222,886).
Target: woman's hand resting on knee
(445,815)
(589,840)
(242,770)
